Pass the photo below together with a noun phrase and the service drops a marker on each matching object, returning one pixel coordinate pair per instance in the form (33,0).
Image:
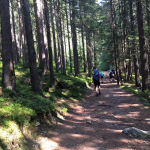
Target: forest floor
(96,123)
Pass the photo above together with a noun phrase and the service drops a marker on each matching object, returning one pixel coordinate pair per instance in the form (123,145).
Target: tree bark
(136,65)
(115,37)
(143,50)
(148,23)
(52,80)
(74,37)
(15,48)
(80,10)
(60,36)
(70,57)
(35,81)
(8,76)
(38,8)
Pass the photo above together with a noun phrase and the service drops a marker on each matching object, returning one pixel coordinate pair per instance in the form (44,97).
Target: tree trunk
(82,35)
(95,58)
(125,40)
(70,57)
(143,50)
(115,37)
(58,40)
(15,48)
(89,51)
(54,37)
(35,81)
(74,37)
(148,23)
(20,26)
(60,36)
(8,76)
(49,45)
(136,65)
(65,47)
(38,8)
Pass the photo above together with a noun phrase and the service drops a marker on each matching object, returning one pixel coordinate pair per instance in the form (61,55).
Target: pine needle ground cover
(21,109)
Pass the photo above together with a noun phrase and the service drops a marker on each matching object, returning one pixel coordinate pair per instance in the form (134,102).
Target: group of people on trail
(99,76)
(112,75)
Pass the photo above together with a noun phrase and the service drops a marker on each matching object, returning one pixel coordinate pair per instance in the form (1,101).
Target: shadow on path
(97,122)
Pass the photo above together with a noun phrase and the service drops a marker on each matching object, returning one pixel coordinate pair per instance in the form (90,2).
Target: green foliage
(23,107)
(73,86)
(23,104)
(143,96)
(16,112)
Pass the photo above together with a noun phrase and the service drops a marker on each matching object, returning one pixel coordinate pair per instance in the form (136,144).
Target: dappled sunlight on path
(97,122)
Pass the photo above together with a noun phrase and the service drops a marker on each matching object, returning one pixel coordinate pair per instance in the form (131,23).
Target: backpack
(96,74)
(102,74)
(110,73)
(113,71)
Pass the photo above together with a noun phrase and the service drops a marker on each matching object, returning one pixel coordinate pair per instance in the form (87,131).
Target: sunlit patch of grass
(11,135)
(131,90)
(15,112)
(144,97)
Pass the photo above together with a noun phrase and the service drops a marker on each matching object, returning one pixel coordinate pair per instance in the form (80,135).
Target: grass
(22,108)
(144,97)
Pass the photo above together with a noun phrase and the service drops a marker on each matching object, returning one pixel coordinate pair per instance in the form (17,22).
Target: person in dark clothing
(96,77)
(111,75)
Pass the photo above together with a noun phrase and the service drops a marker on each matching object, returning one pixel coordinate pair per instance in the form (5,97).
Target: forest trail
(97,123)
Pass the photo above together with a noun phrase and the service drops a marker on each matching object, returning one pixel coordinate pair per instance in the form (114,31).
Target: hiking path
(97,122)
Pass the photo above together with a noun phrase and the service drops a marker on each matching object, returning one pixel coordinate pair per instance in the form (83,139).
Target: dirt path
(97,123)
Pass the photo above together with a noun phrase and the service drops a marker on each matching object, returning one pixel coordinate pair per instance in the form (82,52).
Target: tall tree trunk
(115,37)
(35,81)
(125,39)
(22,36)
(70,57)
(95,58)
(54,36)
(65,47)
(49,45)
(58,41)
(80,10)
(15,48)
(8,76)
(136,65)
(60,36)
(143,50)
(38,8)
(148,23)
(20,26)
(74,37)
(89,50)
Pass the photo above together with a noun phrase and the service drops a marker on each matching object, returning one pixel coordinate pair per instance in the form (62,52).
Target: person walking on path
(102,76)
(96,78)
(111,75)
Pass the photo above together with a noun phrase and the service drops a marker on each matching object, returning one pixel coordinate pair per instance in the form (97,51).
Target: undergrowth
(22,107)
(144,97)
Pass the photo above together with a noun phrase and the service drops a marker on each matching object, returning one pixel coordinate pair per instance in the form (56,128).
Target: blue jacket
(96,75)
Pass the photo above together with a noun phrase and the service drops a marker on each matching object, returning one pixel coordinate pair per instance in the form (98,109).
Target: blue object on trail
(96,75)
(102,74)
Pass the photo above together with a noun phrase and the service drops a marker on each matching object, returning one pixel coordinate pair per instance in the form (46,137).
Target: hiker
(102,76)
(111,75)
(96,77)
(113,71)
